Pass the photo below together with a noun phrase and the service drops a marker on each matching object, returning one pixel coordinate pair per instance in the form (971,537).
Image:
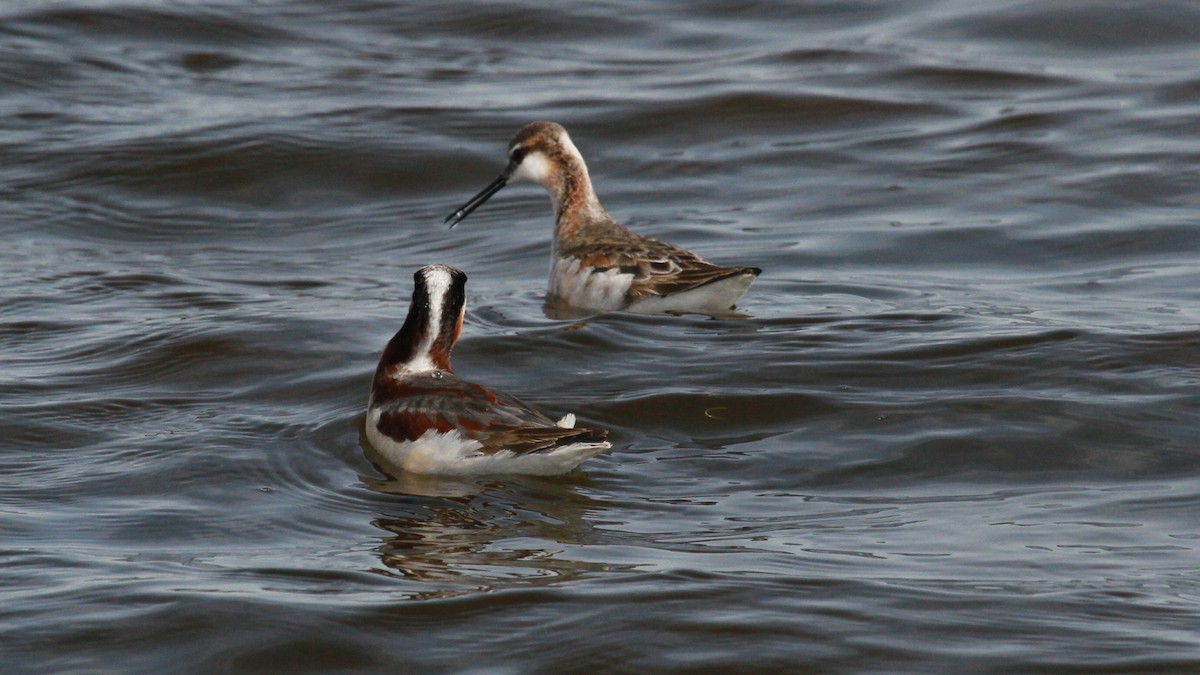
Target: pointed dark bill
(478,200)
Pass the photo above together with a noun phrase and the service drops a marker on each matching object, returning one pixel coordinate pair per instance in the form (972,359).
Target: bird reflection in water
(483,534)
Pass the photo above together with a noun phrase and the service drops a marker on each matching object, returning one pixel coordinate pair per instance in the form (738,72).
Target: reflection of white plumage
(596,263)
(422,418)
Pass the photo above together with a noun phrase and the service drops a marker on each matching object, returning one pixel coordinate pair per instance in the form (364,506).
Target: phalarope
(423,418)
(595,262)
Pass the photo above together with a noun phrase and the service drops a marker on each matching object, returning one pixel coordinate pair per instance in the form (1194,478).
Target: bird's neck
(423,344)
(574,200)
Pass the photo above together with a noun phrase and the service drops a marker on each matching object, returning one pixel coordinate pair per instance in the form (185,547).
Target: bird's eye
(517,155)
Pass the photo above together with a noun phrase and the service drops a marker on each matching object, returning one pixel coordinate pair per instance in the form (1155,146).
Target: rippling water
(959,429)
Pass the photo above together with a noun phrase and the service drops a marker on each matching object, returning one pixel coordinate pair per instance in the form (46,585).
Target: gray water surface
(957,431)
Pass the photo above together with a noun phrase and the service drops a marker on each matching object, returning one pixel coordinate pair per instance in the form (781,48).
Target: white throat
(534,168)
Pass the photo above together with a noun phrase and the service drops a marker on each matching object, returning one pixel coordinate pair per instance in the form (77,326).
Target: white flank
(602,291)
(605,291)
(452,454)
(717,297)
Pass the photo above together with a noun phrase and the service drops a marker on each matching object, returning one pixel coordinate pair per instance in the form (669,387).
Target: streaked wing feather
(498,421)
(530,439)
(658,268)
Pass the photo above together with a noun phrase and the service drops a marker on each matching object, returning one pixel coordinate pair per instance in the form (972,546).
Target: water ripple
(953,428)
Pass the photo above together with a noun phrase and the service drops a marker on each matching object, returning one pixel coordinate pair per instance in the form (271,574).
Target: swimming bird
(422,418)
(595,262)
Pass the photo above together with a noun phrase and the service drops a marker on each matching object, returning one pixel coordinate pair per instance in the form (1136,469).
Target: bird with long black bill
(596,263)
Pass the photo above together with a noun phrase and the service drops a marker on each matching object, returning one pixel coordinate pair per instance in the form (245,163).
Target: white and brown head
(434,322)
(541,153)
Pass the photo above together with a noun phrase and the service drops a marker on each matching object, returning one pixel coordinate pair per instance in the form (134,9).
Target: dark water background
(959,431)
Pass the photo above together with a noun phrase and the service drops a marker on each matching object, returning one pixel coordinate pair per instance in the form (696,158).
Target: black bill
(478,200)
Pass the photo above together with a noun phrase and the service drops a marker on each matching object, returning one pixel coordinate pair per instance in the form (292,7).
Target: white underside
(605,291)
(452,454)
(715,298)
